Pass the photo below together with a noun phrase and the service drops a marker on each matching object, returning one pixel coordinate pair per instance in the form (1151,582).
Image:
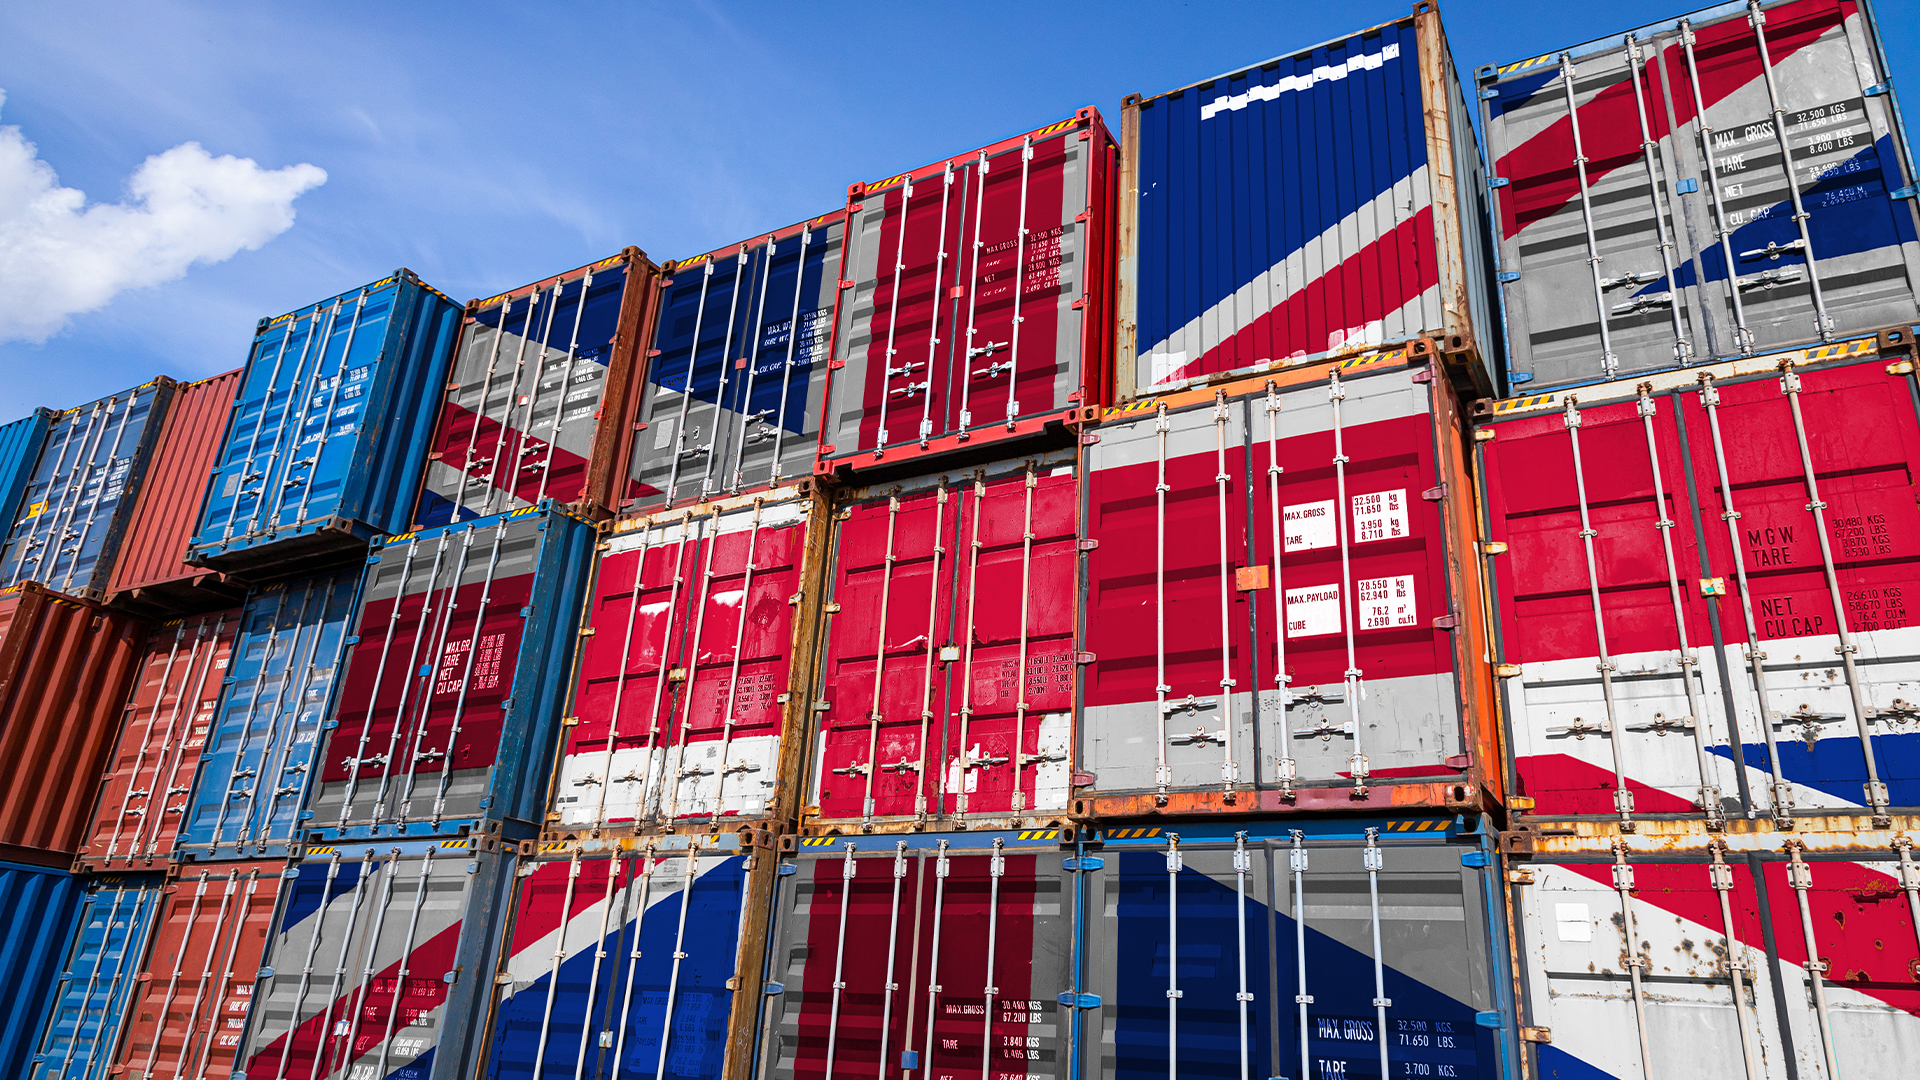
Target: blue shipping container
(73,514)
(618,961)
(20,444)
(38,907)
(459,661)
(257,764)
(328,439)
(103,965)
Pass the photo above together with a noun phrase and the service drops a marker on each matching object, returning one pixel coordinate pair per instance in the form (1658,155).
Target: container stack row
(1090,605)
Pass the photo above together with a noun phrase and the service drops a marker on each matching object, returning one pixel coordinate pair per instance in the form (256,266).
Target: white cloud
(60,257)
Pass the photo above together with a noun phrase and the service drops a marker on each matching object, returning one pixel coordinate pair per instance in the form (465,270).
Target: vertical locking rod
(793,341)
(1019,285)
(967,757)
(1682,348)
(1720,875)
(1282,678)
(996,868)
(1019,755)
(1822,322)
(739,646)
(1229,768)
(1375,861)
(1800,876)
(1349,592)
(933,652)
(1629,939)
(1609,363)
(1616,732)
(679,955)
(680,448)
(1162,771)
(1297,857)
(671,778)
(893,940)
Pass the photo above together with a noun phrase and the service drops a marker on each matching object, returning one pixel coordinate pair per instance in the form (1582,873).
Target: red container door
(143,797)
(950,660)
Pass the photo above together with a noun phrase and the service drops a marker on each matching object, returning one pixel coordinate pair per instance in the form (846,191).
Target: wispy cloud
(60,257)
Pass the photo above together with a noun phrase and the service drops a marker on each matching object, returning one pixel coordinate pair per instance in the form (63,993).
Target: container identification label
(1386,603)
(1380,516)
(1309,525)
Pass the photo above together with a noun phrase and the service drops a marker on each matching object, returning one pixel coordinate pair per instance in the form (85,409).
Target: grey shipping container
(1635,170)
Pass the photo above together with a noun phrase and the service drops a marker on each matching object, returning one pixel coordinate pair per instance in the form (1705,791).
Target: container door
(619,968)
(1270,957)
(918,955)
(101,973)
(728,331)
(517,423)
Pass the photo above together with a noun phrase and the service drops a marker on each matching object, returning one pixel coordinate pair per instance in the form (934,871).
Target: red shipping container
(694,664)
(948,657)
(194,992)
(143,794)
(979,299)
(65,669)
(150,575)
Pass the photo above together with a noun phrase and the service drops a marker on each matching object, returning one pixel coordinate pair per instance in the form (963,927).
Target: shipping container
(692,698)
(330,430)
(456,672)
(546,384)
(1702,600)
(1635,170)
(624,958)
(98,978)
(1319,947)
(949,665)
(257,760)
(151,575)
(1328,202)
(66,668)
(143,792)
(993,319)
(74,513)
(962,946)
(1743,953)
(727,329)
(195,990)
(20,443)
(381,962)
(39,905)
(1377,692)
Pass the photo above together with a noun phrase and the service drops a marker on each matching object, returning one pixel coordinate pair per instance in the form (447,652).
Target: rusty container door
(74,514)
(692,698)
(636,957)
(455,677)
(143,792)
(151,575)
(66,668)
(739,367)
(195,990)
(979,299)
(948,658)
(942,955)
(1707,591)
(545,384)
(1748,954)
(1346,668)
(1729,182)
(379,962)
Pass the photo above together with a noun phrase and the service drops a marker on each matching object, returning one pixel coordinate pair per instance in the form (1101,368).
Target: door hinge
(1473,858)
(1435,494)
(1084,658)
(1080,1001)
(1536,1034)
(1076,864)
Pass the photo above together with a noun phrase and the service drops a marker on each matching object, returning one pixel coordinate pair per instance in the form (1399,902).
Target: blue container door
(102,966)
(20,444)
(38,907)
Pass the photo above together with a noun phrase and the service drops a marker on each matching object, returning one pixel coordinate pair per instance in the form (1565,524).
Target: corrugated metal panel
(1324,203)
(695,665)
(726,329)
(948,659)
(1756,663)
(143,794)
(1747,952)
(456,673)
(979,304)
(1380,677)
(331,428)
(20,443)
(530,411)
(65,669)
(624,961)
(257,764)
(978,948)
(195,991)
(151,573)
(98,979)
(380,963)
(39,906)
(1640,167)
(74,514)
(1364,947)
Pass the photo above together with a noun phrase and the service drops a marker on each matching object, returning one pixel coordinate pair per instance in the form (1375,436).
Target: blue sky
(485,147)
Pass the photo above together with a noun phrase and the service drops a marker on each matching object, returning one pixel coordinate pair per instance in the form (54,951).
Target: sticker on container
(1380,516)
(1313,610)
(1386,603)
(961,778)
(1573,922)
(1309,525)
